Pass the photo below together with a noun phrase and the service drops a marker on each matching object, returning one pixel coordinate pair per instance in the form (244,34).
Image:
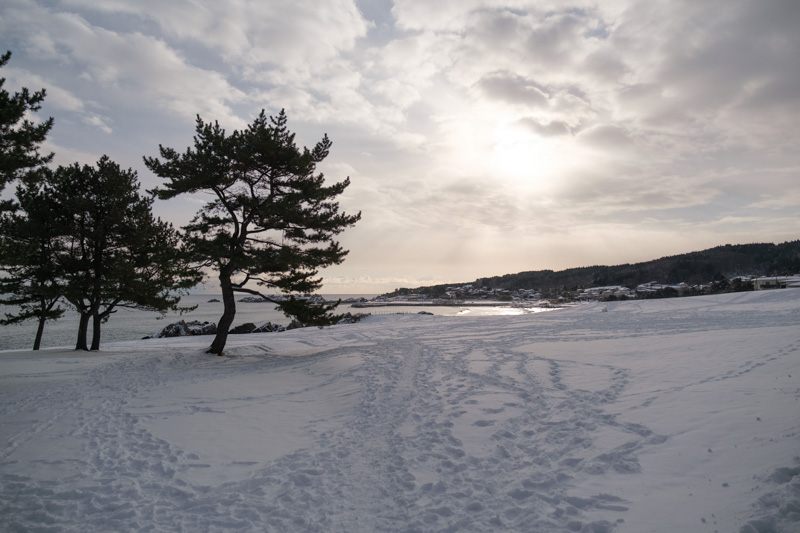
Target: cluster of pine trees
(84,236)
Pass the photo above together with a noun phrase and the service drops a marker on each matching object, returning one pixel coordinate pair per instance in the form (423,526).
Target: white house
(776,282)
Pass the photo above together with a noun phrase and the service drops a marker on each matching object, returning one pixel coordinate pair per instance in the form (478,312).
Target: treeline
(695,268)
(84,237)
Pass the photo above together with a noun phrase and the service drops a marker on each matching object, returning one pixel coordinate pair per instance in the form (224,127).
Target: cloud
(604,197)
(400,94)
(252,34)
(551,129)
(606,137)
(480,135)
(443,15)
(703,69)
(513,89)
(129,69)
(98,122)
(57,98)
(605,66)
(771,201)
(372,284)
(64,155)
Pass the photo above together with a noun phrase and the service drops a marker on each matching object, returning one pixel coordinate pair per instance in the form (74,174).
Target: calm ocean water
(130,324)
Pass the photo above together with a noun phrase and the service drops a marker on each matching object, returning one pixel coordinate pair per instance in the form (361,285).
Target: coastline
(459,303)
(456,303)
(131,324)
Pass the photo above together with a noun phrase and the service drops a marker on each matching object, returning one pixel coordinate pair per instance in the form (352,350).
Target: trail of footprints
(479,439)
(404,465)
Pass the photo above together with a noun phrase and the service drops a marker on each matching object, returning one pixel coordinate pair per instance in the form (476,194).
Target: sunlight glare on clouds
(527,159)
(482,136)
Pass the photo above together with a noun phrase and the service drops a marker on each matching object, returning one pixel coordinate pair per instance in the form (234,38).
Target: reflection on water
(464,310)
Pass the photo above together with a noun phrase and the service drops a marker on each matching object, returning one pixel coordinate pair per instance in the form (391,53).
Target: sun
(506,153)
(518,155)
(515,153)
(522,157)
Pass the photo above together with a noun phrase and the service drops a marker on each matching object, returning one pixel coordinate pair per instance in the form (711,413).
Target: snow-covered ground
(652,416)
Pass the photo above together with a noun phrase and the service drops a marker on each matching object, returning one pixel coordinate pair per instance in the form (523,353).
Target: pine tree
(30,279)
(26,281)
(271,220)
(111,251)
(20,137)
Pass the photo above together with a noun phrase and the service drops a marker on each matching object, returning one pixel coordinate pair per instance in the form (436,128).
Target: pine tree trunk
(37,342)
(83,327)
(96,332)
(228,314)
(44,310)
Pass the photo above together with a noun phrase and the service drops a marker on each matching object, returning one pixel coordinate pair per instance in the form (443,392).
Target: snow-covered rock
(350,318)
(269,327)
(185,329)
(253,299)
(294,324)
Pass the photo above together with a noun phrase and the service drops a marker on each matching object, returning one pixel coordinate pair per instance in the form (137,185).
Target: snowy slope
(651,416)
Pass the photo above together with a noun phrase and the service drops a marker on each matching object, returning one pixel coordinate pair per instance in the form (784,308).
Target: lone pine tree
(270,219)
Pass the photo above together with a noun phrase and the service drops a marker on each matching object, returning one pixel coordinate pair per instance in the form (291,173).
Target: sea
(131,324)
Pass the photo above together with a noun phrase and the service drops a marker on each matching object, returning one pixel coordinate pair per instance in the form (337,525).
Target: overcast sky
(481,137)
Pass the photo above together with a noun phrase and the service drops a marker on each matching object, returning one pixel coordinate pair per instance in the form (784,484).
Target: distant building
(776,282)
(600,293)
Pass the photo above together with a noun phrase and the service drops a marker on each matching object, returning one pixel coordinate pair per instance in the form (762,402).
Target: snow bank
(661,415)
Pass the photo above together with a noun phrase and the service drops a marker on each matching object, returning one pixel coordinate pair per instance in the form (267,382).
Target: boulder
(252,299)
(202,328)
(186,329)
(178,329)
(269,327)
(349,318)
(244,328)
(294,325)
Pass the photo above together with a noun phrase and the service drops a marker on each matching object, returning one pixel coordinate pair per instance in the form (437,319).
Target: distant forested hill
(726,261)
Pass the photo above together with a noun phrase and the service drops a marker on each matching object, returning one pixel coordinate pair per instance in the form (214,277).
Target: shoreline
(512,305)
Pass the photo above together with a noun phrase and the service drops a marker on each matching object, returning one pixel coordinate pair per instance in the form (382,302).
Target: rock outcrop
(349,318)
(195,327)
(248,327)
(294,324)
(186,329)
(269,327)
